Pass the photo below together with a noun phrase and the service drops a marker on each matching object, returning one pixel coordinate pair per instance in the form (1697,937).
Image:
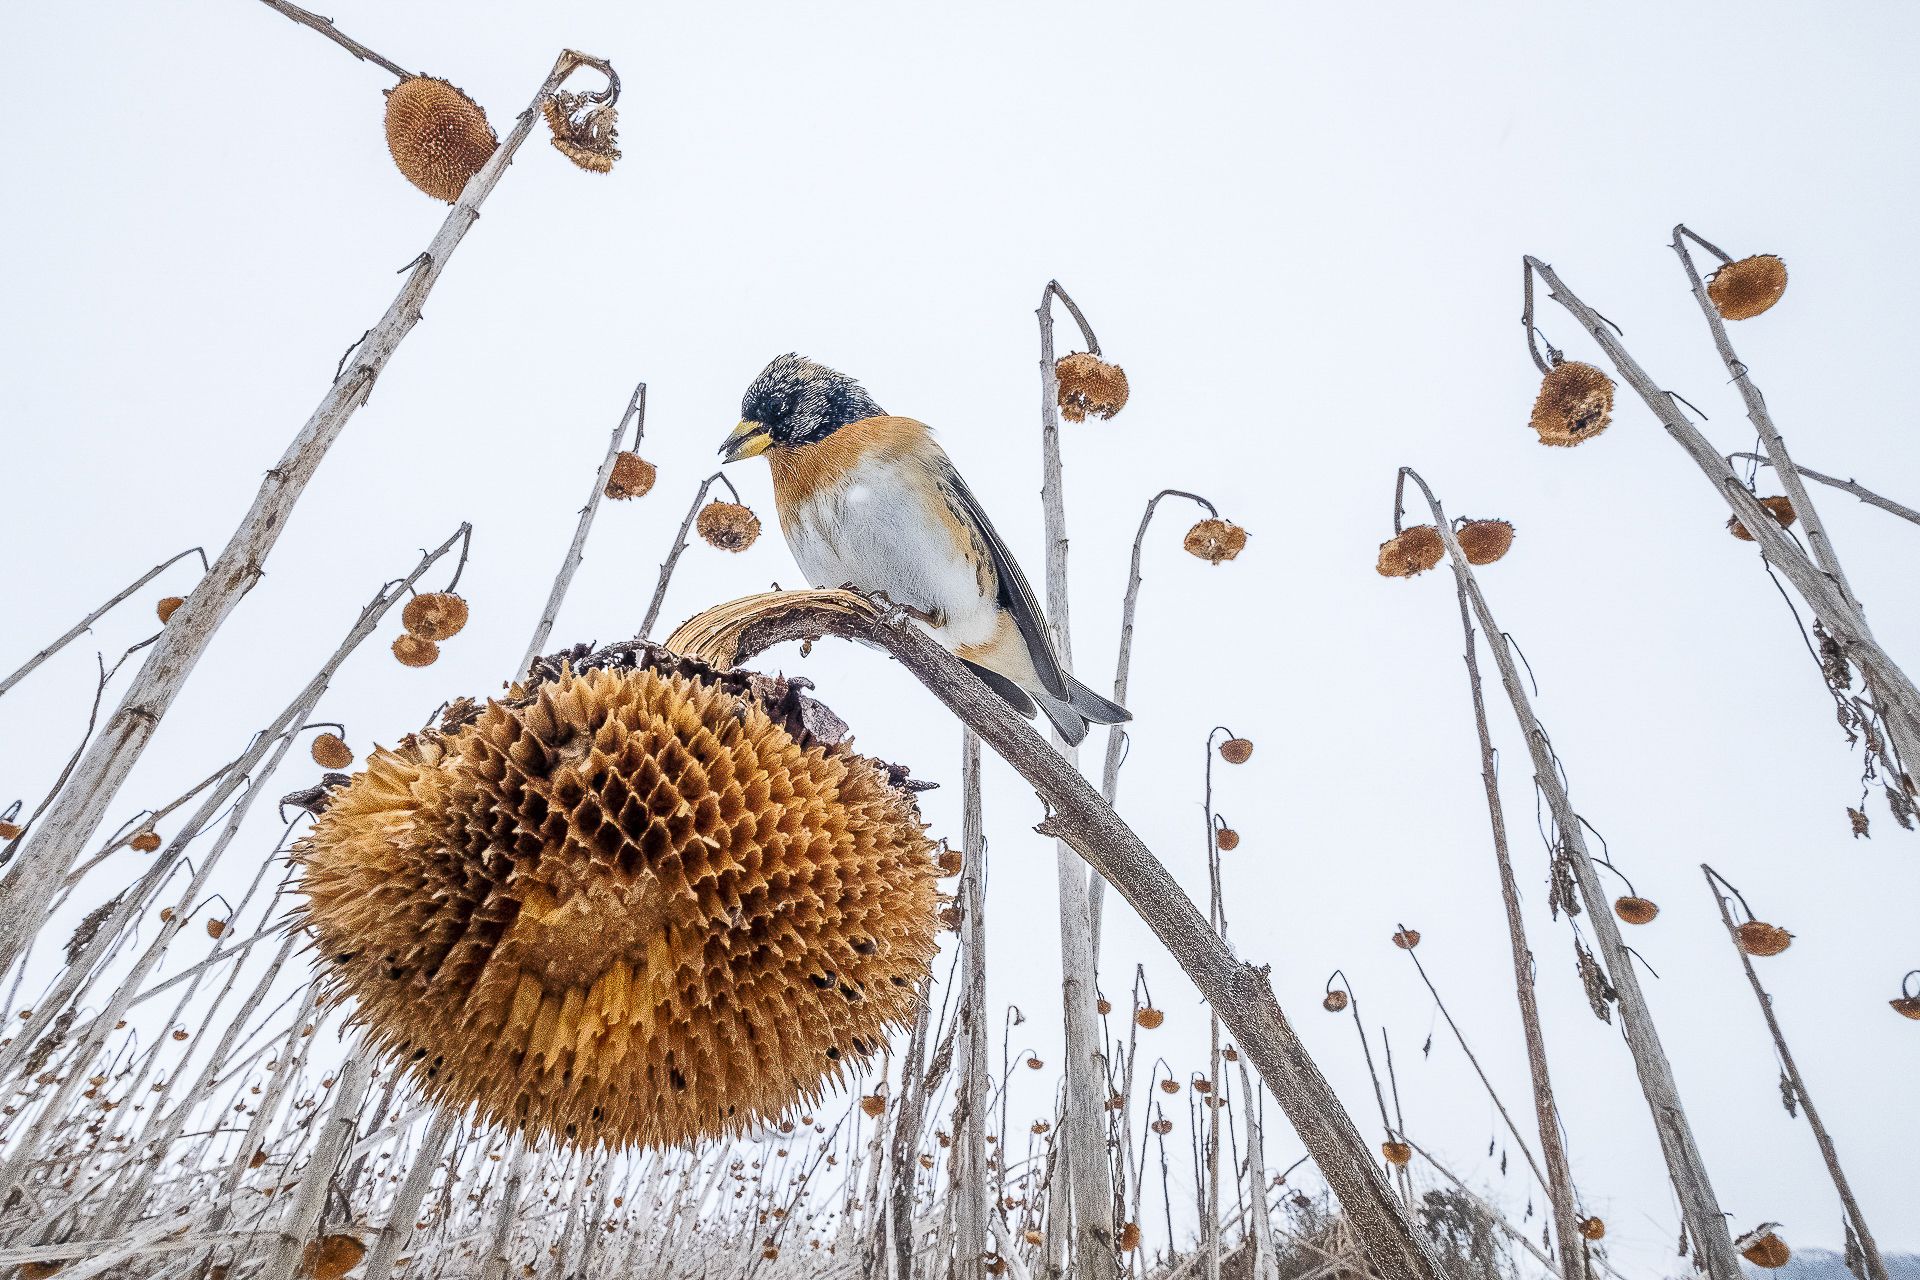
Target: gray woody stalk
(1698,1206)
(77,811)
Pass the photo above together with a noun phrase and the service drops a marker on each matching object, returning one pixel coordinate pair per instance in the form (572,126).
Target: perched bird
(871,501)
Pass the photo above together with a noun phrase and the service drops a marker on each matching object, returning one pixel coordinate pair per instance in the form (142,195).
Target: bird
(871,501)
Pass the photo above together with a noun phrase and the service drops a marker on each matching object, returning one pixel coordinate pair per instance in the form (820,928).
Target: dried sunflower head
(1780,507)
(330,751)
(1397,1153)
(1592,1229)
(637,902)
(435,615)
(412,651)
(1162,1126)
(583,131)
(1226,839)
(1129,1237)
(1215,540)
(165,609)
(1089,385)
(332,1256)
(1635,910)
(1763,1248)
(1335,1002)
(438,136)
(1406,939)
(873,1104)
(1236,750)
(1758,938)
(632,476)
(1149,1017)
(1411,551)
(145,841)
(1742,290)
(1907,1007)
(1484,541)
(1575,404)
(728,525)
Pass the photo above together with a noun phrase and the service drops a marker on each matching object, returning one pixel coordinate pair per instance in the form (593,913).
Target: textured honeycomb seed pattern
(632,910)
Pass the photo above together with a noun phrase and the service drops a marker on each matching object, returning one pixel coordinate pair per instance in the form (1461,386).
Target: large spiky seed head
(166,607)
(1780,507)
(1635,910)
(332,1256)
(1406,939)
(1236,750)
(1575,404)
(1335,1002)
(145,841)
(1226,839)
(1149,1017)
(1592,1229)
(435,615)
(1215,541)
(1484,541)
(330,751)
(1744,289)
(1758,938)
(1397,1153)
(643,903)
(728,525)
(1764,1249)
(438,136)
(412,651)
(1129,1237)
(632,476)
(1089,385)
(1411,551)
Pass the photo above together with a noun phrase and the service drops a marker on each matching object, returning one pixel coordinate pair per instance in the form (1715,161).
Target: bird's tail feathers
(1071,715)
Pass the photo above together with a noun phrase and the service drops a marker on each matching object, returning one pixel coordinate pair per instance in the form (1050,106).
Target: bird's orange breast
(824,465)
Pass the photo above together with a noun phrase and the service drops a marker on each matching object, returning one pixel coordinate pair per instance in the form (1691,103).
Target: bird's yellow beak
(746,440)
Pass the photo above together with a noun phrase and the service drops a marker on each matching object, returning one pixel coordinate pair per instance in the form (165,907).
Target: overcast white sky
(1299,228)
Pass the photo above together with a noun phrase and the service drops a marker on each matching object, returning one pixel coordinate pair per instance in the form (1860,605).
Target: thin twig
(81,626)
(326,28)
(1853,487)
(680,545)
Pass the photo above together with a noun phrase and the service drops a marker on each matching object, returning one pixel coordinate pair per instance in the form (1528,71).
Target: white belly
(869,536)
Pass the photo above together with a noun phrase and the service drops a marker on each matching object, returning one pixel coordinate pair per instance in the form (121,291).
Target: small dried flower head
(1149,1017)
(632,477)
(771,1252)
(438,136)
(1409,552)
(145,841)
(435,615)
(1034,1237)
(1089,385)
(1635,910)
(1856,819)
(166,607)
(330,751)
(1104,1005)
(1236,750)
(1406,939)
(873,1104)
(1907,1007)
(951,862)
(1162,1125)
(1592,1229)
(1758,938)
(1484,541)
(1336,1001)
(1742,290)
(1763,1248)
(1202,1085)
(1034,1064)
(412,651)
(166,914)
(1230,1053)
(728,525)
(994,1264)
(215,927)
(1215,541)
(1397,1153)
(1039,1126)
(39,1270)
(332,1256)
(179,1033)
(1226,839)
(1169,1086)
(1130,1237)
(10,830)
(583,131)
(1575,404)
(1779,507)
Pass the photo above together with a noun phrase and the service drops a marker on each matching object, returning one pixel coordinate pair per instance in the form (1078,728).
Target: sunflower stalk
(77,811)
(1699,1206)
(969,1138)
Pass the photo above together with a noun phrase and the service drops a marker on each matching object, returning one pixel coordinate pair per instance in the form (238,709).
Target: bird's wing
(1016,596)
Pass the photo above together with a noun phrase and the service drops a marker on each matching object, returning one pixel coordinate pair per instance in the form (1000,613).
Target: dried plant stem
(80,627)
(1492,1215)
(1894,694)
(1546,1112)
(636,412)
(326,28)
(1265,1263)
(1238,991)
(499,1251)
(77,811)
(310,1198)
(680,545)
(1853,487)
(1876,1266)
(1684,1165)
(1122,680)
(1083,1130)
(969,1138)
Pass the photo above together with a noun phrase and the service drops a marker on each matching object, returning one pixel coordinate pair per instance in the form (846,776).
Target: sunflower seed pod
(435,615)
(874,1105)
(728,526)
(145,841)
(332,1256)
(1215,541)
(1575,404)
(1763,1248)
(1635,910)
(1104,1005)
(1336,1002)
(1484,541)
(437,135)
(1034,1237)
(1226,839)
(1169,1086)
(167,606)
(330,751)
(1129,1237)
(1410,552)
(639,903)
(1236,750)
(1089,386)
(1149,1017)
(412,651)
(1397,1153)
(1406,939)
(1907,1007)
(1592,1229)
(950,862)
(1779,507)
(1758,938)
(583,132)
(632,476)
(1162,1126)
(1744,289)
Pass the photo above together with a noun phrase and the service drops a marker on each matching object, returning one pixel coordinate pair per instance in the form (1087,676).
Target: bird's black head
(794,402)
